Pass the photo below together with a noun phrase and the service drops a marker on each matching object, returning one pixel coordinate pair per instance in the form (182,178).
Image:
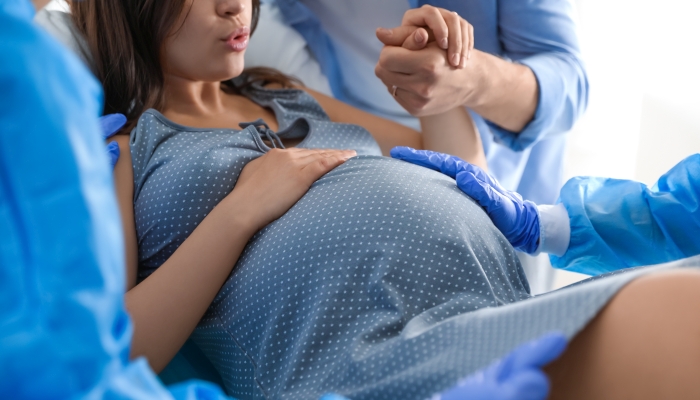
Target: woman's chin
(232,72)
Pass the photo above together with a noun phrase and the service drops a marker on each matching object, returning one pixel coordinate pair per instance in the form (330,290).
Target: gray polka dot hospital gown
(384,281)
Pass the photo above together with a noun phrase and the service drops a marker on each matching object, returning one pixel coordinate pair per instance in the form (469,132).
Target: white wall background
(644,106)
(644,109)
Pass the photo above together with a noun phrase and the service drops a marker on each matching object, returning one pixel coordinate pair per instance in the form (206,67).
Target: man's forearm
(504,93)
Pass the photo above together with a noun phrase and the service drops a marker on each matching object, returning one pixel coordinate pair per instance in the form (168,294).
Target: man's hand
(446,28)
(423,82)
(418,66)
(421,57)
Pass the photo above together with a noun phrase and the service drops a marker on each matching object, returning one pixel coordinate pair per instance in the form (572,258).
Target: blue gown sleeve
(618,224)
(541,34)
(64,329)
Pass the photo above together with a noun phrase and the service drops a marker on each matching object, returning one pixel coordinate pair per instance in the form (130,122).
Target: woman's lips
(238,39)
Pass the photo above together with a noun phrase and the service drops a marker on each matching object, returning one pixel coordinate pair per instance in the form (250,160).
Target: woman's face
(208,41)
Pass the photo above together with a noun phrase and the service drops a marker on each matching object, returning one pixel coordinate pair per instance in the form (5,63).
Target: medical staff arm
(451,132)
(542,36)
(617,224)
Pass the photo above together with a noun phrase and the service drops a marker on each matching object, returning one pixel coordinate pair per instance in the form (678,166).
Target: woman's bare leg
(645,344)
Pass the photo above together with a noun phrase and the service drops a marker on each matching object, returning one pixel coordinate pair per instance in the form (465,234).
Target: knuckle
(414,107)
(379,72)
(382,59)
(426,91)
(453,18)
(324,163)
(431,66)
(418,102)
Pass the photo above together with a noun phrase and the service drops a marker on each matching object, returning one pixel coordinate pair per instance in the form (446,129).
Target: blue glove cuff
(528,238)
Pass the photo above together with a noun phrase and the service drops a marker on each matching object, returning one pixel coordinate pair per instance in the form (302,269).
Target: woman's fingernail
(463,63)
(455,59)
(443,43)
(385,31)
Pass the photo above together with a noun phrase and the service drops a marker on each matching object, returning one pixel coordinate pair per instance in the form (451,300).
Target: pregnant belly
(375,249)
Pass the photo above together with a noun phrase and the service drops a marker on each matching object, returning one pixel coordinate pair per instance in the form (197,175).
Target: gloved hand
(516,218)
(111,124)
(517,376)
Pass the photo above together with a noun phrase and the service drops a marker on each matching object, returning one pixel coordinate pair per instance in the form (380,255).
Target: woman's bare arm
(124,186)
(166,307)
(388,134)
(452,132)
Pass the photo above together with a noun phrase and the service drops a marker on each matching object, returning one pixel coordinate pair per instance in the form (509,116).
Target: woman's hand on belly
(273,183)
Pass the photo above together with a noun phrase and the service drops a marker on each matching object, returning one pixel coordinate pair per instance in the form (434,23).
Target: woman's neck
(196,99)
(206,105)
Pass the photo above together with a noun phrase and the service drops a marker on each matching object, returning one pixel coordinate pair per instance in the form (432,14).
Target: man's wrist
(476,81)
(501,91)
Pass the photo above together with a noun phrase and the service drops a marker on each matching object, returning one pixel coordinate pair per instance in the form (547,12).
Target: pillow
(277,45)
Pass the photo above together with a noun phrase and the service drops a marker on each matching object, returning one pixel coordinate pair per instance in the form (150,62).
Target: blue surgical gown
(618,224)
(64,330)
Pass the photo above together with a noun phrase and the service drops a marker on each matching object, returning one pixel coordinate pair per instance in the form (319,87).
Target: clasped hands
(426,62)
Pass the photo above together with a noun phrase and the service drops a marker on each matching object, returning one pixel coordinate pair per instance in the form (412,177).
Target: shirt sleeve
(618,224)
(541,34)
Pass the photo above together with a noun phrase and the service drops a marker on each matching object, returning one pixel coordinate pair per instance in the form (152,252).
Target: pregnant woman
(304,261)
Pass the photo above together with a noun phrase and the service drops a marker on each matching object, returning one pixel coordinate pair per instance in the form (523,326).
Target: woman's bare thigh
(645,344)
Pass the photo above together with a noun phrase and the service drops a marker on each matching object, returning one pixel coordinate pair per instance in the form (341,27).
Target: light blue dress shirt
(618,224)
(540,34)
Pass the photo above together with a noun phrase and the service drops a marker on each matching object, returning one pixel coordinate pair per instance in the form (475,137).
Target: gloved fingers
(332,396)
(481,191)
(486,177)
(534,354)
(441,162)
(113,152)
(445,163)
(471,391)
(111,124)
(529,384)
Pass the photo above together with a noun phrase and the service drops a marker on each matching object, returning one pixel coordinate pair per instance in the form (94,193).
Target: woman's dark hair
(125,38)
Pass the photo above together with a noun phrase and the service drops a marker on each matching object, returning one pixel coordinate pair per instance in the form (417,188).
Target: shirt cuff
(555,229)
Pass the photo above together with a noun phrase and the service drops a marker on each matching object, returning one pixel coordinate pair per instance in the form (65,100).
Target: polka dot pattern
(384,281)
(182,173)
(375,245)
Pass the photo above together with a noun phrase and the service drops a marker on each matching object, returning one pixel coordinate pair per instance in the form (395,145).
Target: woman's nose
(230,8)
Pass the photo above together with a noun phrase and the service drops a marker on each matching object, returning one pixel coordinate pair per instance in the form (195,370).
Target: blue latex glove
(517,376)
(111,124)
(516,218)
